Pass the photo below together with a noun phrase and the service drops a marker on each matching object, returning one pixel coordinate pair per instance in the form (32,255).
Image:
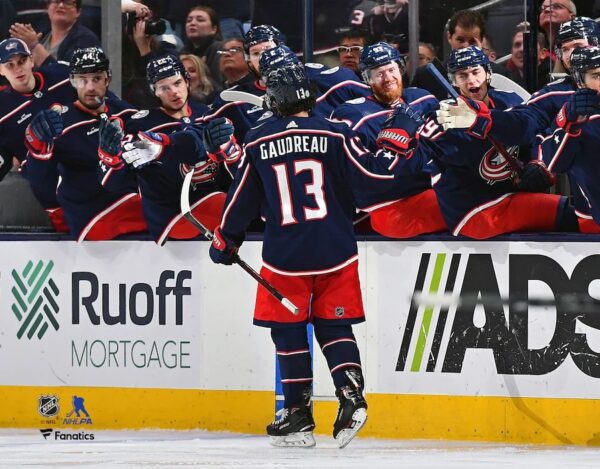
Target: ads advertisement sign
(490,346)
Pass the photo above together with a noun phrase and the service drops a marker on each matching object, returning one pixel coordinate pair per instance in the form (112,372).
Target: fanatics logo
(339,311)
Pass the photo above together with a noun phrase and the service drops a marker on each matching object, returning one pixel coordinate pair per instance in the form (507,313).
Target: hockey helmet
(277,57)
(89,60)
(289,90)
(577,28)
(467,57)
(582,60)
(376,55)
(258,34)
(164,67)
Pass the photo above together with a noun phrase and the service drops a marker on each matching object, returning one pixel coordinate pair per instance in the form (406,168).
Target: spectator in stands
(488,48)
(203,37)
(552,14)
(426,53)
(65,36)
(232,13)
(516,62)
(390,20)
(232,63)
(350,46)
(465,28)
(203,89)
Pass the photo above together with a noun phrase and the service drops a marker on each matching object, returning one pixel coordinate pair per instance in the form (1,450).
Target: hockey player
(521,124)
(67,142)
(476,190)
(536,115)
(411,208)
(170,146)
(244,115)
(334,86)
(29,92)
(303,175)
(572,145)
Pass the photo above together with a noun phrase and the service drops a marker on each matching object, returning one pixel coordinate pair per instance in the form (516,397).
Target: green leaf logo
(35,303)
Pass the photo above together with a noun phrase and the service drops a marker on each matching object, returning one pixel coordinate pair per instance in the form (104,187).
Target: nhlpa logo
(35,294)
(48,406)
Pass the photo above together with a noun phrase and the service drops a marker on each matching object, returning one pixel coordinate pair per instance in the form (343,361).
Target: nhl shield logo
(48,406)
(339,311)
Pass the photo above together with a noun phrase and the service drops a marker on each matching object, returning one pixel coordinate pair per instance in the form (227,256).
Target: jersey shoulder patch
(356,101)
(330,71)
(314,65)
(141,114)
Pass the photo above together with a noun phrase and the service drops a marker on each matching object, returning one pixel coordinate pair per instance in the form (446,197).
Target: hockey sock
(338,344)
(294,360)
(566,219)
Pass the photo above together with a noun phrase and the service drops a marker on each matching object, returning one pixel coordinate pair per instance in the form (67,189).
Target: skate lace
(280,415)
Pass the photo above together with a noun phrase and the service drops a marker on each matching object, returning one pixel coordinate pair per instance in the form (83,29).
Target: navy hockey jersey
(74,155)
(160,182)
(17,109)
(473,173)
(336,86)
(576,154)
(366,116)
(303,175)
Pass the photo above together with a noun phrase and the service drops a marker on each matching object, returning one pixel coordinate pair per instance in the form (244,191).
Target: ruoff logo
(35,295)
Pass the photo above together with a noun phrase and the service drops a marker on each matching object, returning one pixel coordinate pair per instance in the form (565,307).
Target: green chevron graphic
(35,303)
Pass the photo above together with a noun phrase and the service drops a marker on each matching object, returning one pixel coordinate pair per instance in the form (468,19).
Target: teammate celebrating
(170,147)
(475,190)
(533,118)
(572,144)
(410,208)
(29,92)
(303,174)
(67,142)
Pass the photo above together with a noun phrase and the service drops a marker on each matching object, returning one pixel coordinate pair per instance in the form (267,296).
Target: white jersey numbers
(313,189)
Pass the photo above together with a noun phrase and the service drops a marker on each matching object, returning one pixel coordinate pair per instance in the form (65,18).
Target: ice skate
(352,413)
(293,428)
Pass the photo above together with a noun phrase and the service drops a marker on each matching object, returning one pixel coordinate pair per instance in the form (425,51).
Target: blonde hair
(206,86)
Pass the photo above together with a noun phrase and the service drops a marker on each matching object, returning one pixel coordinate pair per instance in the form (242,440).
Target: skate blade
(298,440)
(345,436)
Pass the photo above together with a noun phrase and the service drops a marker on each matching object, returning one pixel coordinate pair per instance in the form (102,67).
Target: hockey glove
(221,252)
(535,177)
(582,104)
(399,133)
(109,148)
(146,150)
(465,114)
(219,141)
(43,129)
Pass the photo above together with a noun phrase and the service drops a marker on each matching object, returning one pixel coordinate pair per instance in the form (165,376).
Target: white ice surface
(161,449)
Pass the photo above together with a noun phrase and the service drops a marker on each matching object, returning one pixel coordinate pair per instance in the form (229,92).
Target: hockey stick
(233,95)
(187,213)
(569,303)
(513,161)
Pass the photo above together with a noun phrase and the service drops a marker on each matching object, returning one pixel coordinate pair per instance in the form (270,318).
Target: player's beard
(93,105)
(388,96)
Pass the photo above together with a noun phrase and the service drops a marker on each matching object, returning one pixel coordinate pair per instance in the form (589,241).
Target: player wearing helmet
(65,139)
(304,174)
